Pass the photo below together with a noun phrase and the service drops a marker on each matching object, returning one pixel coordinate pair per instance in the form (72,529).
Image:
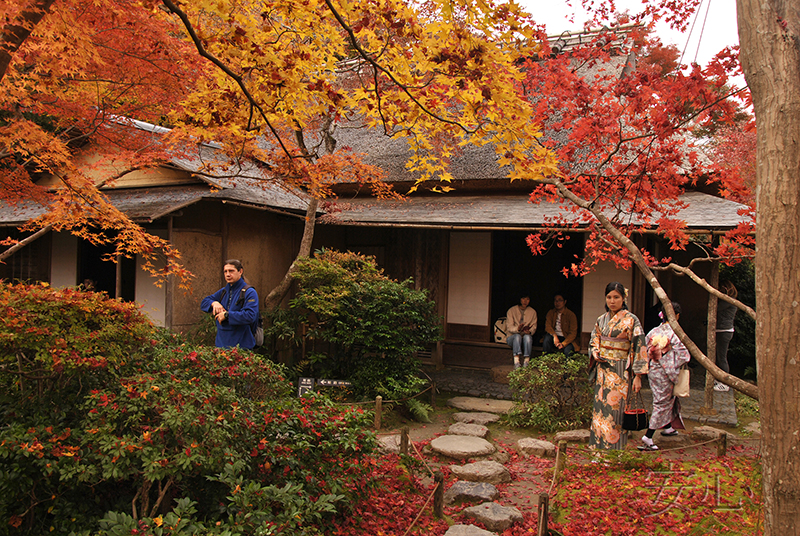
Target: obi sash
(614,348)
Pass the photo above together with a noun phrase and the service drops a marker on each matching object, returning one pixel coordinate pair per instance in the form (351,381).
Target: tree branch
(17,31)
(638,259)
(24,242)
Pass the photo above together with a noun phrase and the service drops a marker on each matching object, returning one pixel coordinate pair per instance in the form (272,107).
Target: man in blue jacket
(235,308)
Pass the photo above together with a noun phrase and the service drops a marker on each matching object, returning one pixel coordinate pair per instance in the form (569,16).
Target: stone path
(479,383)
(476,483)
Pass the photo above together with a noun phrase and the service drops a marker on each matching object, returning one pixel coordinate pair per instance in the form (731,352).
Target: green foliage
(371,325)
(552,393)
(745,405)
(362,311)
(218,431)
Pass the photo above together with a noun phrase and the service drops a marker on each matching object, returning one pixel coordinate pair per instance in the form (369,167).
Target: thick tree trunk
(769,34)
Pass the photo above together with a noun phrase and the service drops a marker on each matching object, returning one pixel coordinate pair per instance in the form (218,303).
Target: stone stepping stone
(468,530)
(494,516)
(479,417)
(462,447)
(753,428)
(485,471)
(536,447)
(389,443)
(461,428)
(468,403)
(707,433)
(572,436)
(470,492)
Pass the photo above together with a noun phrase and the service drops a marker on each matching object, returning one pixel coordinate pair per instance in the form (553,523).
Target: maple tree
(68,72)
(622,132)
(620,190)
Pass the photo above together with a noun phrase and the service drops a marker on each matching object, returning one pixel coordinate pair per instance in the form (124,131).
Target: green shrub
(371,326)
(552,393)
(169,432)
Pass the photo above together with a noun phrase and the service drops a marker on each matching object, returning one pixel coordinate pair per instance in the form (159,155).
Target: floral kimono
(662,377)
(618,344)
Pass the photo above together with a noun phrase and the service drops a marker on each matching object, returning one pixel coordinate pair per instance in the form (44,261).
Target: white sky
(719,31)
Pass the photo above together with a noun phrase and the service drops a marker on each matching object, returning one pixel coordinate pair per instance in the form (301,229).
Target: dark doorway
(515,271)
(103,274)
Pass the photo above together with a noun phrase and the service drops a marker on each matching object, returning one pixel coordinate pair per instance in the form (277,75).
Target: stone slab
(707,433)
(494,516)
(572,436)
(470,492)
(488,405)
(500,374)
(389,443)
(536,447)
(484,471)
(461,447)
(479,417)
(468,530)
(461,428)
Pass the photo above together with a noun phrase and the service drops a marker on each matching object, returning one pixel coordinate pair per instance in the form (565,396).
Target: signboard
(304,386)
(333,383)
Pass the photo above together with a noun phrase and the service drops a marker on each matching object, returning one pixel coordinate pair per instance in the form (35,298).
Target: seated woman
(521,325)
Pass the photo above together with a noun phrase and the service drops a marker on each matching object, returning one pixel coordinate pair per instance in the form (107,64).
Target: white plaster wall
(153,299)
(469,286)
(594,285)
(64,260)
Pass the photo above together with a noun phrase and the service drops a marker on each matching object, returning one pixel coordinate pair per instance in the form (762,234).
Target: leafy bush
(170,431)
(372,325)
(552,393)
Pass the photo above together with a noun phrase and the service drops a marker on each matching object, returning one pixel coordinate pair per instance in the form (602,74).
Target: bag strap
(631,394)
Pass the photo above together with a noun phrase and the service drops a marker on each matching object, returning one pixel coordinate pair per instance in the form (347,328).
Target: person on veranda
(561,328)
(521,325)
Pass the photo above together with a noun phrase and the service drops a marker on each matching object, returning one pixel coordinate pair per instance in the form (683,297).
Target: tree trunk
(276,295)
(769,34)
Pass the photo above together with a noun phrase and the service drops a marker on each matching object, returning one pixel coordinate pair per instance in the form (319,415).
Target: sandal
(647,447)
(669,434)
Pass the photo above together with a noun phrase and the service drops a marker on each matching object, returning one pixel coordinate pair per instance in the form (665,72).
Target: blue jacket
(237,329)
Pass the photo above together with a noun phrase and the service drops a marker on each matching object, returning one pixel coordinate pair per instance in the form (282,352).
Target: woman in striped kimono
(616,348)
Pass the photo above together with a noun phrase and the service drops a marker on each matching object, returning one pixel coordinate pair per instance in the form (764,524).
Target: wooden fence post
(438,495)
(378,409)
(404,441)
(561,458)
(544,512)
(722,444)
(433,395)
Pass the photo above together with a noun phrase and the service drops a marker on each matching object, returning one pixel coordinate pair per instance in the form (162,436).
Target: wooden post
(433,395)
(544,512)
(378,409)
(438,495)
(722,444)
(404,441)
(561,458)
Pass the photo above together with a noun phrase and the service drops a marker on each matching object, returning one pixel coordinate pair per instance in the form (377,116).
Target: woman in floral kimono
(666,354)
(616,347)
